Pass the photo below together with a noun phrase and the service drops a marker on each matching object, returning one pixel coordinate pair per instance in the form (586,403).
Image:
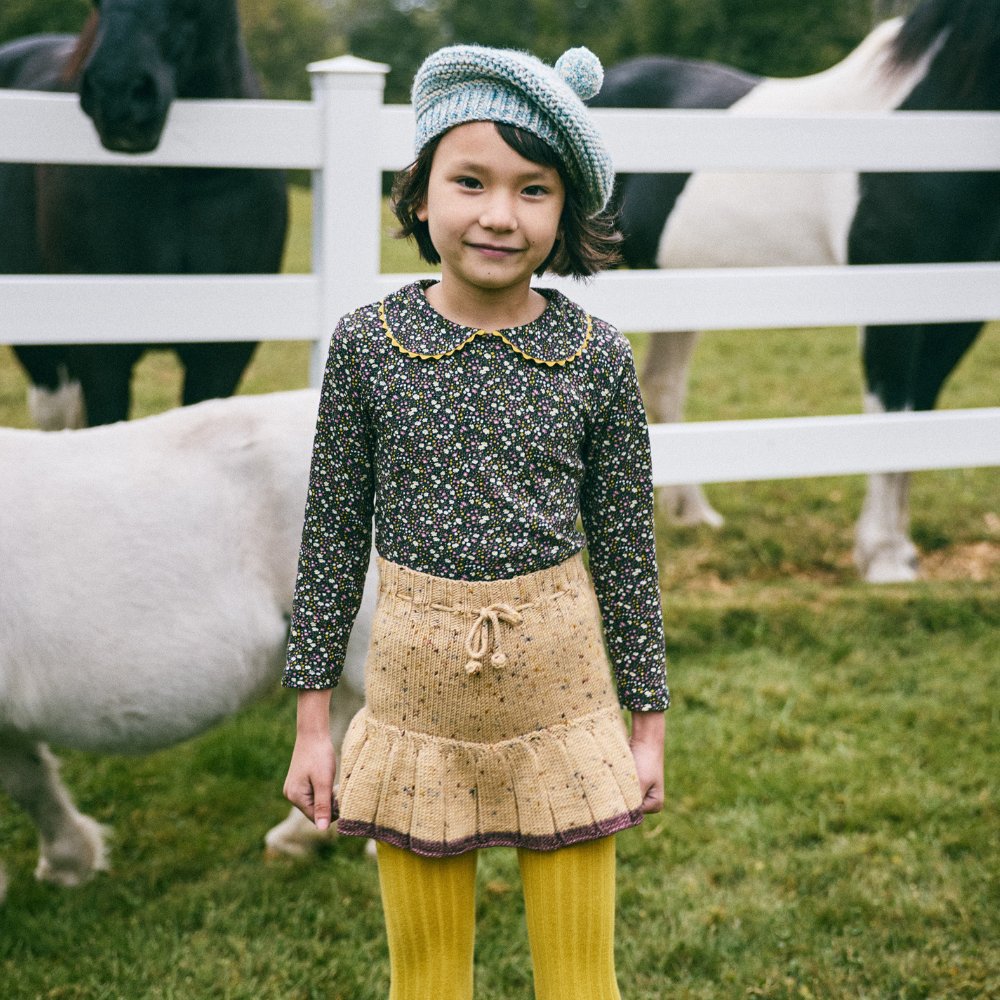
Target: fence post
(347,192)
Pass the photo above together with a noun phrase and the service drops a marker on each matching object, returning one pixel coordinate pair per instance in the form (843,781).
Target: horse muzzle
(129,116)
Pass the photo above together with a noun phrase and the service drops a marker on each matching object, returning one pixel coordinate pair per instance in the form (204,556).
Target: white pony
(147,575)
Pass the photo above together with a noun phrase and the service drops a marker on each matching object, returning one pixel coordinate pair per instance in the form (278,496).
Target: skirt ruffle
(440,797)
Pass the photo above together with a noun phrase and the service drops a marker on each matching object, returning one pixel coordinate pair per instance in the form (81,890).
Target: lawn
(831,829)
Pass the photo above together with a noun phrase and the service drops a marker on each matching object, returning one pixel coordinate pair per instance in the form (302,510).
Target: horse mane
(970,51)
(84,44)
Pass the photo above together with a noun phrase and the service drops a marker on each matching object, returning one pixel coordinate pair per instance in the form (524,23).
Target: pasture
(831,825)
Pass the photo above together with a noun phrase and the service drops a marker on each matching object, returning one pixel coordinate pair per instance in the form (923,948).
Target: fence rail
(347,105)
(792,447)
(230,133)
(280,307)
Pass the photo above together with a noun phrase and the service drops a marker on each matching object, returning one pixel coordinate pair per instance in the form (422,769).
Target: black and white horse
(131,61)
(944,56)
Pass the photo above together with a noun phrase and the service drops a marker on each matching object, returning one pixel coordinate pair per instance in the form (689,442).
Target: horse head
(136,57)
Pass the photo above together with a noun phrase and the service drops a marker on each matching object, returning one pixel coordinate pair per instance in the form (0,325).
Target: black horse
(945,56)
(131,61)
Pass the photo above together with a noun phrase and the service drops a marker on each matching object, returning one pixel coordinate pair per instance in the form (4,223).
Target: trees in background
(283,37)
(773,37)
(32,17)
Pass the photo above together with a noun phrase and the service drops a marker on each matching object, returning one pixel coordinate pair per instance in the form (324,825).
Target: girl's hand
(309,784)
(646,744)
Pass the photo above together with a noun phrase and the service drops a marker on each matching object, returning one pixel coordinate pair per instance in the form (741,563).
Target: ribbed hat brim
(466,83)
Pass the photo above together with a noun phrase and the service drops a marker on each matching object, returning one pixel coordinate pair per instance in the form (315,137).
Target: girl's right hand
(309,783)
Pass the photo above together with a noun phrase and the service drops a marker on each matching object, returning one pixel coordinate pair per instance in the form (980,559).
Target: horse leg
(905,368)
(55,400)
(883,551)
(105,372)
(72,845)
(940,348)
(664,384)
(212,371)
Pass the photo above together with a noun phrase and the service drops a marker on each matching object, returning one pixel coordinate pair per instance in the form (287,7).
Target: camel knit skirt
(490,717)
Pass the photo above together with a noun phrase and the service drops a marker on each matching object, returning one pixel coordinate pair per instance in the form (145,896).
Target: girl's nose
(498,214)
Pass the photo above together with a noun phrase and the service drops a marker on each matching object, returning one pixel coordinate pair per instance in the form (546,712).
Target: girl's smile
(496,252)
(493,217)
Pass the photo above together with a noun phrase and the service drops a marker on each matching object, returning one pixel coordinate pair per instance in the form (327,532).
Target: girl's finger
(322,809)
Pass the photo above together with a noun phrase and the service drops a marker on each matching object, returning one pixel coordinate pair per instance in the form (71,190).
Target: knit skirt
(490,717)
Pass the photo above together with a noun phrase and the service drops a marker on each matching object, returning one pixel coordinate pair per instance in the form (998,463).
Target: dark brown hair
(587,244)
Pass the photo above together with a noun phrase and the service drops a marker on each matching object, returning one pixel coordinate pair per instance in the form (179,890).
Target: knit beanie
(470,83)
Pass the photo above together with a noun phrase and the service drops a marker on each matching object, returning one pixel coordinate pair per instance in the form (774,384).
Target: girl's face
(493,216)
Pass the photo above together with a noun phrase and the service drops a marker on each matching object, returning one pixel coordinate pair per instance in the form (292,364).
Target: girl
(476,417)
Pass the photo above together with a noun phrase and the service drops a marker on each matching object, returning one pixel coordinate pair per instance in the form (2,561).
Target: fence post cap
(348,64)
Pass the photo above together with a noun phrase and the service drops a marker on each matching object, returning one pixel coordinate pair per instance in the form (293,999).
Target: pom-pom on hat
(470,83)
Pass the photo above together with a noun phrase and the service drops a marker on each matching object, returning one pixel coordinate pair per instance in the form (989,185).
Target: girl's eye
(535,191)
(469,182)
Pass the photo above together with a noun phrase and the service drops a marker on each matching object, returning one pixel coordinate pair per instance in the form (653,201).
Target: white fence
(348,136)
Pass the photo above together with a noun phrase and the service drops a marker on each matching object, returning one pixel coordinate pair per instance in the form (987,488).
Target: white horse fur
(148,570)
(759,219)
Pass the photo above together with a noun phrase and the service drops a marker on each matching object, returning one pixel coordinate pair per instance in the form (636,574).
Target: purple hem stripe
(534,842)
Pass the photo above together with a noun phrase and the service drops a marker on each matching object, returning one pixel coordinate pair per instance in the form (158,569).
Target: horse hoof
(886,561)
(890,568)
(75,856)
(688,507)
(891,574)
(296,837)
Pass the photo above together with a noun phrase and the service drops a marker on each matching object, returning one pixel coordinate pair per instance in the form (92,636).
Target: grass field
(832,821)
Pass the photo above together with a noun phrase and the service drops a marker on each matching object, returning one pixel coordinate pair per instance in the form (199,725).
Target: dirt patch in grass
(973,562)
(978,562)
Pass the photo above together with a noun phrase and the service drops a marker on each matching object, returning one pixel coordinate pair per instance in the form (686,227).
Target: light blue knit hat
(469,83)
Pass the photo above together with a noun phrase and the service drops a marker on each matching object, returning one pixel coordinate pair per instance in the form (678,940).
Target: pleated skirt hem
(532,842)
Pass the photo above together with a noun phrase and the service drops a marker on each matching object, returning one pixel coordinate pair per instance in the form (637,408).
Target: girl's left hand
(646,744)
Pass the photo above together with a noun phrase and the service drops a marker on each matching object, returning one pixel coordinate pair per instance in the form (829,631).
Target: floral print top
(476,451)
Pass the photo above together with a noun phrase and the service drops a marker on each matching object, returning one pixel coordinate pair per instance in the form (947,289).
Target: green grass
(830,832)
(832,821)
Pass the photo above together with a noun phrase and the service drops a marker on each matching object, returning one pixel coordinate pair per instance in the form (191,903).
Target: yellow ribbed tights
(569,901)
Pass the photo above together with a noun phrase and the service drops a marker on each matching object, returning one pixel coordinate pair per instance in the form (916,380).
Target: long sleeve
(616,503)
(336,534)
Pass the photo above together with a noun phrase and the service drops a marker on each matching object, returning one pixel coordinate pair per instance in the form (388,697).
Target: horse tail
(82,49)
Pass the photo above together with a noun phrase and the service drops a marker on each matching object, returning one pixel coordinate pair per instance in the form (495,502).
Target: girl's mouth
(495,252)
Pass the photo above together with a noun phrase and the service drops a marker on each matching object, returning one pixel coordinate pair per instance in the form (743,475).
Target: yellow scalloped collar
(559,335)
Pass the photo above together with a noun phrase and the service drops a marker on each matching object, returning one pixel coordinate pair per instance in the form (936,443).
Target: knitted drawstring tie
(477,642)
